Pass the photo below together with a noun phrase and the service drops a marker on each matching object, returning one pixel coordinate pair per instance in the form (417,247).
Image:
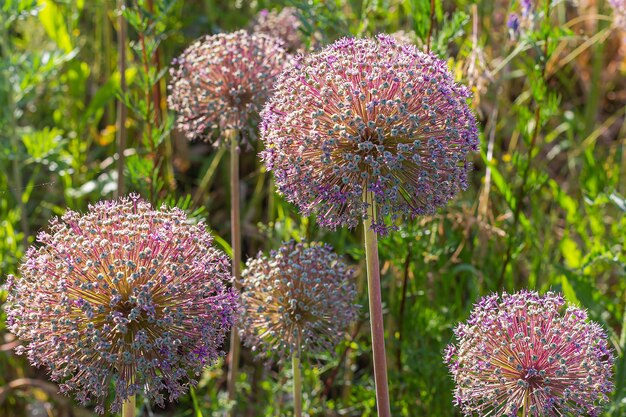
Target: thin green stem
(376,312)
(128,408)
(207,180)
(235,227)
(297,381)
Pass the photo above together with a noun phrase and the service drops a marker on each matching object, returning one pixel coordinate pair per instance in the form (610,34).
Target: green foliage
(545,208)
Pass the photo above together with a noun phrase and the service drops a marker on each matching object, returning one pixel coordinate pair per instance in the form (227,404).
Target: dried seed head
(368,115)
(126,294)
(299,296)
(521,353)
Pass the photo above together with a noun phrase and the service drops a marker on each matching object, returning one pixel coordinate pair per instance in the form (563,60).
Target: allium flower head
(299,295)
(619,10)
(221,81)
(525,354)
(368,115)
(283,25)
(124,294)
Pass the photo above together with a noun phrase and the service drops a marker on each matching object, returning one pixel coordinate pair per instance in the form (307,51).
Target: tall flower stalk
(376,311)
(298,299)
(369,131)
(218,86)
(235,231)
(122,294)
(128,408)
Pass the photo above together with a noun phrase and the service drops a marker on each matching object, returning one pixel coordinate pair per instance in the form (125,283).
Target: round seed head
(125,294)
(299,297)
(526,354)
(221,82)
(368,115)
(283,25)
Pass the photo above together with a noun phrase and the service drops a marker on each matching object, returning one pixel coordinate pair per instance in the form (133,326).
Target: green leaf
(52,19)
(41,143)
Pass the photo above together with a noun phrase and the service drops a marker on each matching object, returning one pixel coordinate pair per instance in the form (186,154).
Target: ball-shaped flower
(368,116)
(301,296)
(125,294)
(222,81)
(283,25)
(526,354)
(619,13)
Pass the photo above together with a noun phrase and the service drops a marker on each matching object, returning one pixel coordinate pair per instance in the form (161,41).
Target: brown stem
(376,313)
(235,228)
(296,366)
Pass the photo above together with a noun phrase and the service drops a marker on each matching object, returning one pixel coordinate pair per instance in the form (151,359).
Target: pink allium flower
(368,115)
(221,81)
(521,354)
(124,294)
(283,25)
(619,10)
(298,295)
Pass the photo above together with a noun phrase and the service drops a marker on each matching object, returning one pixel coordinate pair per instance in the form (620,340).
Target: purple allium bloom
(525,354)
(124,294)
(300,292)
(513,23)
(283,25)
(619,10)
(222,81)
(368,115)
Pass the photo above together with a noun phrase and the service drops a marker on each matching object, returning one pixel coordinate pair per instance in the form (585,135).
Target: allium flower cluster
(368,115)
(299,297)
(619,10)
(520,353)
(283,25)
(124,294)
(222,81)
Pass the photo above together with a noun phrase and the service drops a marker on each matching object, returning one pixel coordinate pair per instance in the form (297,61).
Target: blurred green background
(545,209)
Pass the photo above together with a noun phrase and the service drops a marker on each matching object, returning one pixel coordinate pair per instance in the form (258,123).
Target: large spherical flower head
(125,294)
(525,354)
(221,81)
(283,25)
(368,115)
(298,296)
